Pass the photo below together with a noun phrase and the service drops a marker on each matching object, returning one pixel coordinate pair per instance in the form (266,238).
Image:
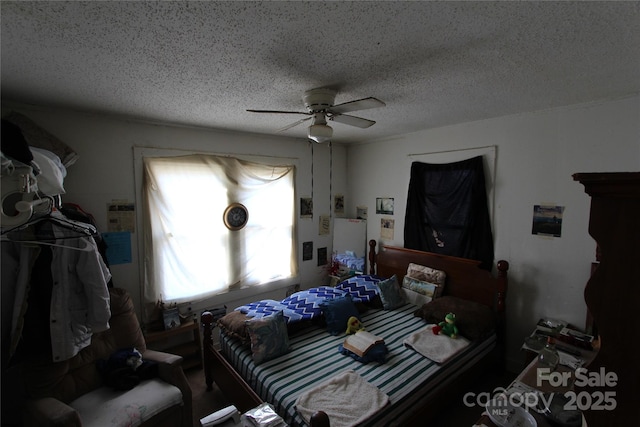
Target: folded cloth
(347,398)
(438,348)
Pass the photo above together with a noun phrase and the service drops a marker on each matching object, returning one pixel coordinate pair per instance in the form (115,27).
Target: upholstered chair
(74,393)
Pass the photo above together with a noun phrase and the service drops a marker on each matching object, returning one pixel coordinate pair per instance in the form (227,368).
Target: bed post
(207,344)
(503,267)
(372,256)
(501,294)
(320,419)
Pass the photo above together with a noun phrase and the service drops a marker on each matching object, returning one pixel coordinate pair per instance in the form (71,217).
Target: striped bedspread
(406,377)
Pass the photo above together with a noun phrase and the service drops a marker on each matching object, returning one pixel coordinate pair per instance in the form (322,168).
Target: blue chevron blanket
(306,305)
(362,288)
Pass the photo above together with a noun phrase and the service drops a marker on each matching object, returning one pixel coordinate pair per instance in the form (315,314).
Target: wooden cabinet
(612,292)
(183,340)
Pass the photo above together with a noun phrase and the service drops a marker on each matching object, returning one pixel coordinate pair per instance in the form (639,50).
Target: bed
(350,244)
(414,385)
(350,261)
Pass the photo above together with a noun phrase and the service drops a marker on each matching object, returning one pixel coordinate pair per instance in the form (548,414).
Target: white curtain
(189,252)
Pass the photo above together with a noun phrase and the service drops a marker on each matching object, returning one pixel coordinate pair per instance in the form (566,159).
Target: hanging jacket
(79,293)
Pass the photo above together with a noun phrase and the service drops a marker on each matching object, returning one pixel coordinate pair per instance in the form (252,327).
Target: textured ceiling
(205,63)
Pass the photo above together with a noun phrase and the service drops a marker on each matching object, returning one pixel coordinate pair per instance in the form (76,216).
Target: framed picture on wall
(322,256)
(361,212)
(547,220)
(387,226)
(384,205)
(338,204)
(306,207)
(307,251)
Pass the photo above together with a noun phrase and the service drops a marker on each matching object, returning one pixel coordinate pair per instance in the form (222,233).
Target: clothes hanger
(81,227)
(51,214)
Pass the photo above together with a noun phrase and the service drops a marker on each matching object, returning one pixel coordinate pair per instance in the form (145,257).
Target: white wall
(537,153)
(105,171)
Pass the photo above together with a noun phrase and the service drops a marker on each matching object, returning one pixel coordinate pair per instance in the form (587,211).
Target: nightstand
(168,340)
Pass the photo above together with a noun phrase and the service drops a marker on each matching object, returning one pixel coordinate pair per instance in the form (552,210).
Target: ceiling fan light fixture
(320,133)
(320,105)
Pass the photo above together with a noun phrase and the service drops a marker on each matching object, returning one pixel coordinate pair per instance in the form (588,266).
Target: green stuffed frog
(448,327)
(354,325)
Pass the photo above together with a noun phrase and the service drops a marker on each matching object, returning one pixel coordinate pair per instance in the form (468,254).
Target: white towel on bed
(346,398)
(438,348)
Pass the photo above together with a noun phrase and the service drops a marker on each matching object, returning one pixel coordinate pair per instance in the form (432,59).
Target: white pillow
(426,274)
(51,176)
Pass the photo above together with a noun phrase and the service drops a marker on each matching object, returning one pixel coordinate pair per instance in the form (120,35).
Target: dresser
(612,294)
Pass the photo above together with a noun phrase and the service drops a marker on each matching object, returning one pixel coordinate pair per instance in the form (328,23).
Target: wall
(105,172)
(536,155)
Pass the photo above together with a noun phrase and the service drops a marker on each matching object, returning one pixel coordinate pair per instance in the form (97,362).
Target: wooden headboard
(465,279)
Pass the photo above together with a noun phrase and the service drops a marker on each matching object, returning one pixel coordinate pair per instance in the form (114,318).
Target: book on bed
(361,342)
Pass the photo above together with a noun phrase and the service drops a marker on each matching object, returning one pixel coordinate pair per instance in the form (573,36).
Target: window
(190,253)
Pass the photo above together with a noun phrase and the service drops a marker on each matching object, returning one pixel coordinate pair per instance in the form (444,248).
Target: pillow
(337,312)
(269,338)
(426,274)
(424,288)
(307,303)
(390,293)
(266,307)
(474,320)
(362,287)
(234,325)
(51,177)
(262,308)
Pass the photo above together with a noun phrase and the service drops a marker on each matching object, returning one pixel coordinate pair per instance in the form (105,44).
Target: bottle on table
(548,359)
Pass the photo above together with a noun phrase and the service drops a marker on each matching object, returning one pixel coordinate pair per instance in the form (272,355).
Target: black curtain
(447,211)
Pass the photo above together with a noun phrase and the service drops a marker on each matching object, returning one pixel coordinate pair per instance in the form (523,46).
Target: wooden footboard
(216,368)
(234,387)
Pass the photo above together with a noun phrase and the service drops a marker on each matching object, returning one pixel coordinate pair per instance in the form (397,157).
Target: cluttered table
(545,397)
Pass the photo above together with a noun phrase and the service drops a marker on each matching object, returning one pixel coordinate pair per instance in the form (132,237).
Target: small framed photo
(547,220)
(384,205)
(338,203)
(171,317)
(307,251)
(322,256)
(306,207)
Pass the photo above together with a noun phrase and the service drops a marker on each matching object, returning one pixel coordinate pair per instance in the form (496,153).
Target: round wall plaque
(235,217)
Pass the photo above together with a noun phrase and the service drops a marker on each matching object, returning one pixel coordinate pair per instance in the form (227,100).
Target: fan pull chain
(312,161)
(330,181)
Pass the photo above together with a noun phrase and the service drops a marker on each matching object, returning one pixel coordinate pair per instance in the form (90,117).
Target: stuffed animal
(448,327)
(354,325)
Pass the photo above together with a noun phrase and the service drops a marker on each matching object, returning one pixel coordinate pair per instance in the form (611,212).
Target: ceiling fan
(320,108)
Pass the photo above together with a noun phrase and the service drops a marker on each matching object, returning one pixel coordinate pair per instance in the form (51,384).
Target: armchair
(73,393)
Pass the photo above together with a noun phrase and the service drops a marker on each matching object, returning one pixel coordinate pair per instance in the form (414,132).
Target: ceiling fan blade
(294,124)
(359,104)
(352,120)
(280,112)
